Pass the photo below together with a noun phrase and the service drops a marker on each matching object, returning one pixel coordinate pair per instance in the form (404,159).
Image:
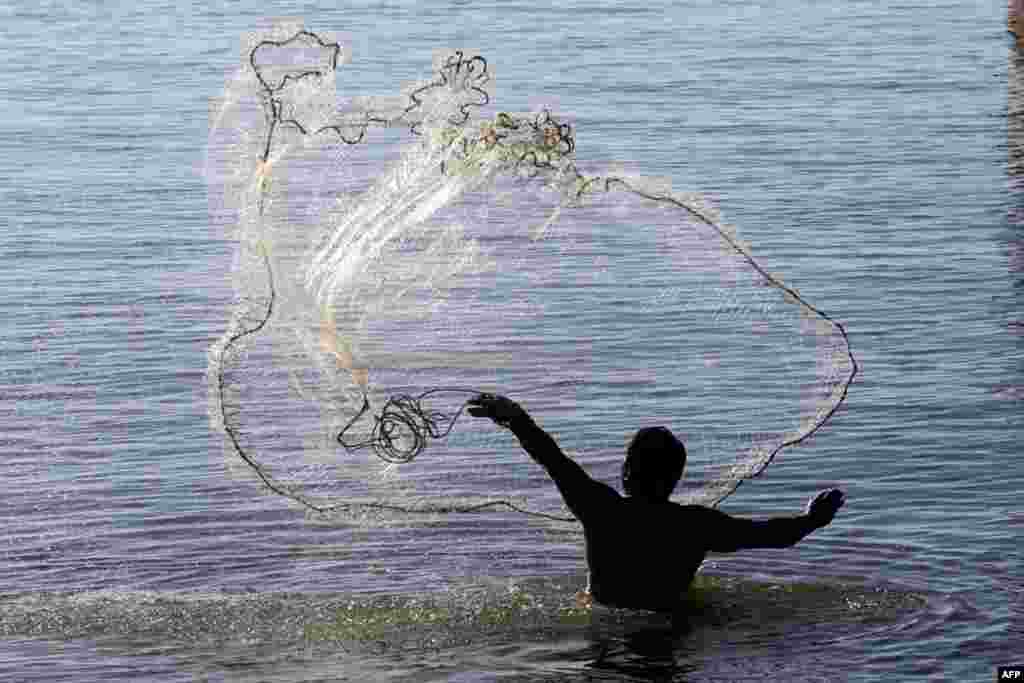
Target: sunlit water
(861,148)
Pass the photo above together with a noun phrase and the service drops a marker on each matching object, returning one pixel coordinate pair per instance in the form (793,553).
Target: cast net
(396,255)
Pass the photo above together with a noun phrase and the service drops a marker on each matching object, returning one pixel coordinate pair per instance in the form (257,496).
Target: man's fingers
(482,405)
(830,500)
(834,497)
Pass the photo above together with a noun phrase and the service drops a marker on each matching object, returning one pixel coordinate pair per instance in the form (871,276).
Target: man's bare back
(642,549)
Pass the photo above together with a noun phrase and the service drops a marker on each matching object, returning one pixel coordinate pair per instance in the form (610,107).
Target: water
(862,150)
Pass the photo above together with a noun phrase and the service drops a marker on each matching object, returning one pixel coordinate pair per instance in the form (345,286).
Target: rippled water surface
(861,148)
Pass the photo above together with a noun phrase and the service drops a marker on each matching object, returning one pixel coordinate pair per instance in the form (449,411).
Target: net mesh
(388,248)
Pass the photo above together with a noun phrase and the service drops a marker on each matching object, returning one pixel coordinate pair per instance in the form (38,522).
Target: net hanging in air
(388,248)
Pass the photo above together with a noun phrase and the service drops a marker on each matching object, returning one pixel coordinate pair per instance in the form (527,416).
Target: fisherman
(642,549)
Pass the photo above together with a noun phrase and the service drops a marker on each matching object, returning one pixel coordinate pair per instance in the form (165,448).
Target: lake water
(865,150)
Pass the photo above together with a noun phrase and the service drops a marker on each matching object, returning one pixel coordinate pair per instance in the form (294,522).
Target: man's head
(654,464)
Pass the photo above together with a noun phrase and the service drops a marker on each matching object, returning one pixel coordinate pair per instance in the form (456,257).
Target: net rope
(528,146)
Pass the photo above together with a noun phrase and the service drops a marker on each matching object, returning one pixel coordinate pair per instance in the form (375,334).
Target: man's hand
(823,507)
(500,409)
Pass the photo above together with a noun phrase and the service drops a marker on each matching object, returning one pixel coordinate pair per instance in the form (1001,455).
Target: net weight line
(731,485)
(454,67)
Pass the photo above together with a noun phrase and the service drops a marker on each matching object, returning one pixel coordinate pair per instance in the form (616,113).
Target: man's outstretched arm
(726,534)
(581,493)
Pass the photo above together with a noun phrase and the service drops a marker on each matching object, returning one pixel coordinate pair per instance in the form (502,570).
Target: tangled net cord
(404,411)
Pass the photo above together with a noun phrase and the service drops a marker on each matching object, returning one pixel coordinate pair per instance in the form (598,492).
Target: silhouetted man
(642,549)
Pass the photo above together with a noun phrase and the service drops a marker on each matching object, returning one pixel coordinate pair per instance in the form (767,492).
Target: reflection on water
(535,625)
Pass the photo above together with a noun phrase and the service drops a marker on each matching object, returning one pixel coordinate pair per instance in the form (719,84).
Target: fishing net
(396,255)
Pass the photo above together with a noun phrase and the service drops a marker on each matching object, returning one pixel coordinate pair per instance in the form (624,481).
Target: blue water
(861,148)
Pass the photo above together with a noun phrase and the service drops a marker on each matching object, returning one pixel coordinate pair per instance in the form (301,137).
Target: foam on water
(168,623)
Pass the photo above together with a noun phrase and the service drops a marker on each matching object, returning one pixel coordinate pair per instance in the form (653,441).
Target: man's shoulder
(697,512)
(603,490)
